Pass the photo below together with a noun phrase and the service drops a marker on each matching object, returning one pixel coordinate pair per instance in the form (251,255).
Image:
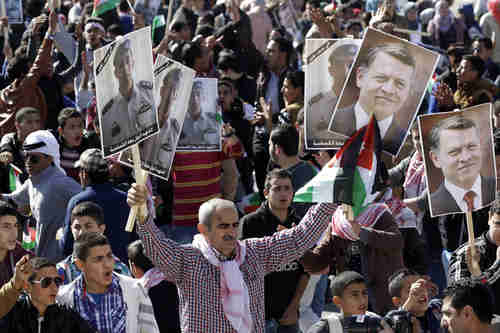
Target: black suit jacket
(344,122)
(442,201)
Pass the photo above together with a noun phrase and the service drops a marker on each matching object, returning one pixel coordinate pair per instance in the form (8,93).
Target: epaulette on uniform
(315,98)
(107,106)
(146,84)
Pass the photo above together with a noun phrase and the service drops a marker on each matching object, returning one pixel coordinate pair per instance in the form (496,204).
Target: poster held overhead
(123,72)
(390,77)
(201,130)
(459,159)
(327,64)
(173,83)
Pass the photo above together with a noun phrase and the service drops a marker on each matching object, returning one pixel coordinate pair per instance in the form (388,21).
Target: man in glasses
(47,191)
(99,289)
(39,312)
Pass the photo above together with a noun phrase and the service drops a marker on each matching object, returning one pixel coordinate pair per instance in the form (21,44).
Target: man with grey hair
(459,158)
(220,279)
(384,80)
(320,107)
(132,111)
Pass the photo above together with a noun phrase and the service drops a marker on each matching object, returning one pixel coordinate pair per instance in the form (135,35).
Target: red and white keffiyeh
(414,183)
(342,228)
(234,291)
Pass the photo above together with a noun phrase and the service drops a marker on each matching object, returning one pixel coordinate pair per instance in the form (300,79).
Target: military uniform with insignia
(123,119)
(202,131)
(319,112)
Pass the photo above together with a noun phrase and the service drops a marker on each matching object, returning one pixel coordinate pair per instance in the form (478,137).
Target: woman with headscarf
(490,25)
(445,28)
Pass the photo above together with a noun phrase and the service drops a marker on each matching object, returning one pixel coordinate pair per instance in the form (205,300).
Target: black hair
(276,173)
(98,177)
(23,112)
(37,263)
(477,63)
(136,255)
(115,29)
(486,41)
(87,241)
(204,29)
(397,280)
(473,293)
(90,209)
(190,52)
(284,45)
(66,114)
(6,209)
(287,137)
(344,280)
(297,78)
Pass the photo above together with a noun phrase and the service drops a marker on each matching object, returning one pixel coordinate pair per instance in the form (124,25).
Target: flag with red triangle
(102,6)
(353,176)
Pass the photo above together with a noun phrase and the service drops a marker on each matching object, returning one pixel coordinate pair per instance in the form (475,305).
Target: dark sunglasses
(47,281)
(34,159)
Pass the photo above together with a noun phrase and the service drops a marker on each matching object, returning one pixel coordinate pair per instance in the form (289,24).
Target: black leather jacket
(24,318)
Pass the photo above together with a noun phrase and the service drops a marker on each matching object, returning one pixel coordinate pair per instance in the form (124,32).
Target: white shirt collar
(458,193)
(362,118)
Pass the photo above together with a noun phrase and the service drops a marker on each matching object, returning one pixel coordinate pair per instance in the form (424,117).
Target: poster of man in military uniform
(124,70)
(201,130)
(332,56)
(173,83)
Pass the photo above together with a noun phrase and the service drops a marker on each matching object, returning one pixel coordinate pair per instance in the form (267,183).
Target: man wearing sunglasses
(47,191)
(39,312)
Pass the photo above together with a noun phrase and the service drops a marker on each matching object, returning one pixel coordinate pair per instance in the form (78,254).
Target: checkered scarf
(414,183)
(342,228)
(404,216)
(110,315)
(234,291)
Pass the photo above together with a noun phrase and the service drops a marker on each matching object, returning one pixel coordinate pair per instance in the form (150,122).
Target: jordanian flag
(14,181)
(354,174)
(29,237)
(250,203)
(158,29)
(102,6)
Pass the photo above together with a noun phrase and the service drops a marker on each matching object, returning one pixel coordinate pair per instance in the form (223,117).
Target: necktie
(469,199)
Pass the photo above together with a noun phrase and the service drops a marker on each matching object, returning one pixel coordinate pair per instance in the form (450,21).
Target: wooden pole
(140,178)
(475,270)
(5,31)
(141,175)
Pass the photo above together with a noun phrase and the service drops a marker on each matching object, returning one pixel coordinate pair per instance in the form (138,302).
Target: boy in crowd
(86,217)
(350,295)
(39,311)
(410,292)
(72,139)
(98,289)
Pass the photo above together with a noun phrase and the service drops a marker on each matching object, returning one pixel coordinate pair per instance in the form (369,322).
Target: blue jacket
(116,210)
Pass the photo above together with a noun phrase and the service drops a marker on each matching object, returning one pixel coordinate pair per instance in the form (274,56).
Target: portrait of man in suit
(384,78)
(455,149)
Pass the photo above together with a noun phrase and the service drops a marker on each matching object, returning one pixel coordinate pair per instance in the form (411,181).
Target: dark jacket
(279,286)
(23,318)
(381,255)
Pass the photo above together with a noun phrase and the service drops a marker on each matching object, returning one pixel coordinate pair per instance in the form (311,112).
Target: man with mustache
(384,81)
(455,148)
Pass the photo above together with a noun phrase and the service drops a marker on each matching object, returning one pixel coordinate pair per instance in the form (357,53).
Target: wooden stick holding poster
(141,175)
(475,270)
(140,178)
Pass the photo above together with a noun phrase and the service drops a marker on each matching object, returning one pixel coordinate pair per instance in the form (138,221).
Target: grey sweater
(47,194)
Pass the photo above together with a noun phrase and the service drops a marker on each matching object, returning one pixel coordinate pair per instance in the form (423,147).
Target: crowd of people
(223,246)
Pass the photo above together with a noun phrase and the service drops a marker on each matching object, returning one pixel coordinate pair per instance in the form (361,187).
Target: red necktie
(469,199)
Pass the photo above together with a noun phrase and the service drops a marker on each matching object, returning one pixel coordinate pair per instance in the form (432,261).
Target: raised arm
(165,254)
(288,245)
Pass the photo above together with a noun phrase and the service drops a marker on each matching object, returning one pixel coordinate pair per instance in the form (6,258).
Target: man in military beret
(132,110)
(200,128)
(321,106)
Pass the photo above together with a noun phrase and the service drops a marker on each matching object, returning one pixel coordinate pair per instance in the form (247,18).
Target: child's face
(73,132)
(354,300)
